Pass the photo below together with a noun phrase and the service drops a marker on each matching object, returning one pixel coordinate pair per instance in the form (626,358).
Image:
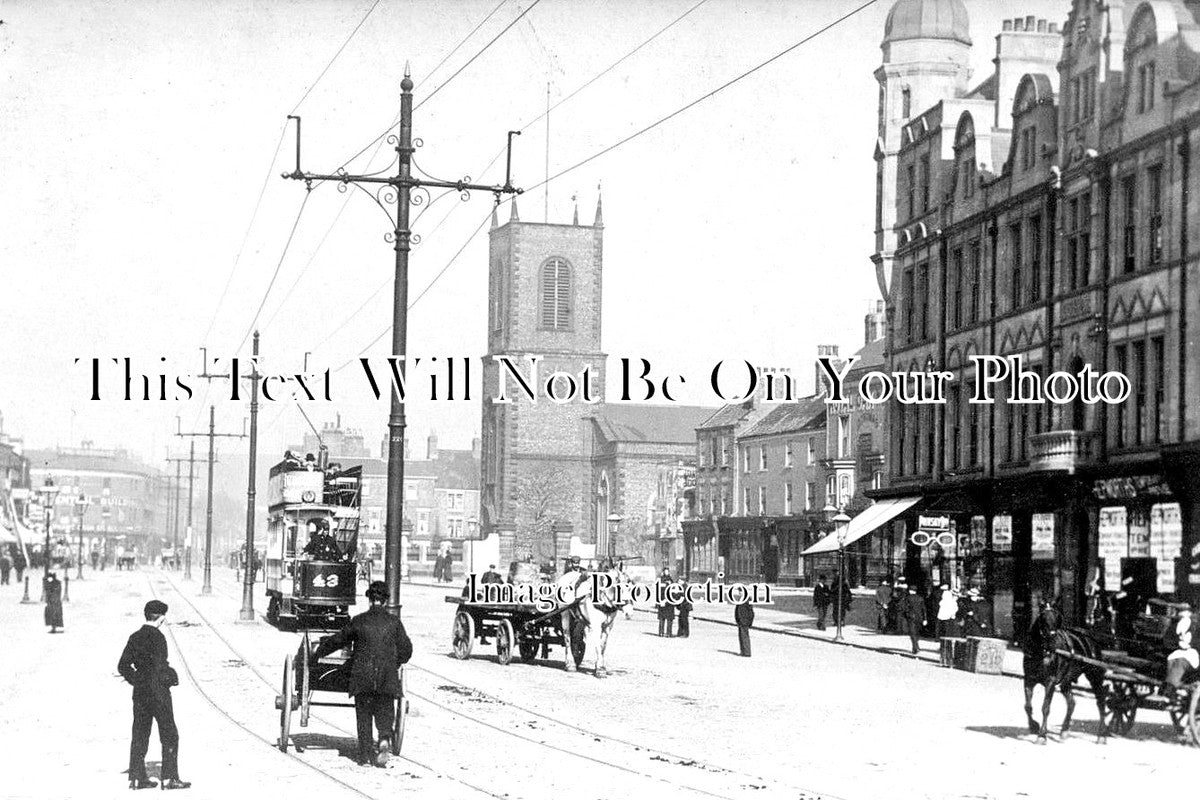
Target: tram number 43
(326,581)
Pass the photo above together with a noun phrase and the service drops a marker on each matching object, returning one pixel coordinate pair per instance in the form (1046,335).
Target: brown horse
(1045,665)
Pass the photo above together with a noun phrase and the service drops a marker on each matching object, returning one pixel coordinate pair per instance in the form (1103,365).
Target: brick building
(1045,214)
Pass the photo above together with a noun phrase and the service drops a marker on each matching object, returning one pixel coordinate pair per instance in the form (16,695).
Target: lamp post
(48,492)
(842,523)
(81,503)
(614,521)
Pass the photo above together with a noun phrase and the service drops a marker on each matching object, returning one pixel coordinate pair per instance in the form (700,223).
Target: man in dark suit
(144,664)
(912,613)
(491,576)
(381,645)
(743,615)
(821,598)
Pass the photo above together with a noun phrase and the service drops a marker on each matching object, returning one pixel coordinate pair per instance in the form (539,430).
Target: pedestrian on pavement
(19,564)
(448,569)
(145,665)
(899,592)
(842,598)
(743,615)
(821,598)
(381,645)
(947,612)
(666,610)
(52,615)
(883,597)
(120,557)
(969,620)
(95,555)
(912,613)
(5,566)
(685,612)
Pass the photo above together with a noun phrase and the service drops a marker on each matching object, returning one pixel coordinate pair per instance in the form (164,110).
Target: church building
(573,477)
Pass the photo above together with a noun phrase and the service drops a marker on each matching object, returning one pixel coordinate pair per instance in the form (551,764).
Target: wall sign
(1166,542)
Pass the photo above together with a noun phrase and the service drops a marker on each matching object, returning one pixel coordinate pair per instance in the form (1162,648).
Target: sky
(146,217)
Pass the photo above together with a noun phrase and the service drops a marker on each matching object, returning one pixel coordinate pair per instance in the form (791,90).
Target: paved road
(678,718)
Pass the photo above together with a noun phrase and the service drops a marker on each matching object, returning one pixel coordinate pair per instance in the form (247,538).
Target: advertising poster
(1002,533)
(1042,536)
(1139,534)
(1113,544)
(1166,542)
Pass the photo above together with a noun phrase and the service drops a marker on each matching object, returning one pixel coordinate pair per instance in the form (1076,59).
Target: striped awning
(870,519)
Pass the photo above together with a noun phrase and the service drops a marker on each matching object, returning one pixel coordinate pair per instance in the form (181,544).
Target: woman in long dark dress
(53,614)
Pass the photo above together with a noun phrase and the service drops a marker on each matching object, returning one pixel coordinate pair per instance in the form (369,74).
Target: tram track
(245,659)
(663,755)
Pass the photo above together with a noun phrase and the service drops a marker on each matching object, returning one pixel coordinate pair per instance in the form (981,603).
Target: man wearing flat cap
(144,665)
(380,645)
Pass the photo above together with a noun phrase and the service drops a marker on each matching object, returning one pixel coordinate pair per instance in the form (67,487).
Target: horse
(1043,664)
(595,615)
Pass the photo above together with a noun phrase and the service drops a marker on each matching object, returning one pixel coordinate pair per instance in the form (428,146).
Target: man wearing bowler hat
(144,664)
(380,645)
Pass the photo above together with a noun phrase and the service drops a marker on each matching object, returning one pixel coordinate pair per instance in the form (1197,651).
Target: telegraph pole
(401,185)
(212,435)
(247,612)
(175,529)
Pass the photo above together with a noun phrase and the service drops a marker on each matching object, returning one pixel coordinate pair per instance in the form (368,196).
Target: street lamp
(614,521)
(842,523)
(81,503)
(48,492)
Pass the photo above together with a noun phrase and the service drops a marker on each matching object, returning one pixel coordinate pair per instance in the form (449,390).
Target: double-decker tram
(312,543)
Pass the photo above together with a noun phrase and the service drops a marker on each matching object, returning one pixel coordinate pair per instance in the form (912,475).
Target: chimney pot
(1031,23)
(1054,27)
(1008,26)
(1041,26)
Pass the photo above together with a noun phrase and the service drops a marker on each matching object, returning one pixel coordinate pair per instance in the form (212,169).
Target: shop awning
(871,518)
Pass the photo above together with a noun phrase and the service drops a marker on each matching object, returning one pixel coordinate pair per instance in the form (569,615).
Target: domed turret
(927,19)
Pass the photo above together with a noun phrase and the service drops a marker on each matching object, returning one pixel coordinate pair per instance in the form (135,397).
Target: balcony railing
(1062,450)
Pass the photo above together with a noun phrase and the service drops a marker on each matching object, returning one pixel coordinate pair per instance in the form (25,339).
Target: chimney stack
(1024,45)
(829,351)
(431,446)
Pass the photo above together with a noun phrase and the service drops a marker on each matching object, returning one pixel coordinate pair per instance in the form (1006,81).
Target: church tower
(926,53)
(544,291)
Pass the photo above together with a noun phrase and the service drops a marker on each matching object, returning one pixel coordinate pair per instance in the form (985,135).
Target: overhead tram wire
(271,170)
(704,97)
(523,128)
(626,140)
(446,82)
(378,147)
(274,275)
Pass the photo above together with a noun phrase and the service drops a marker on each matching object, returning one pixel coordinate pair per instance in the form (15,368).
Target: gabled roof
(667,424)
(806,414)
(725,416)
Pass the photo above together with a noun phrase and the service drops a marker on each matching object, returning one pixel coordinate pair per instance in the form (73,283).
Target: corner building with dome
(1046,211)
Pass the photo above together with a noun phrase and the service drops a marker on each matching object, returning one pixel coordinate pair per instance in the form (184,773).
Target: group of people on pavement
(668,612)
(838,597)
(12,559)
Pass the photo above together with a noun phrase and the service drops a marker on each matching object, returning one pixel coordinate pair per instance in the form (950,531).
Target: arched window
(556,294)
(906,102)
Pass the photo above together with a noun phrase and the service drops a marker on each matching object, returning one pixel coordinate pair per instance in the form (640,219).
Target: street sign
(933,524)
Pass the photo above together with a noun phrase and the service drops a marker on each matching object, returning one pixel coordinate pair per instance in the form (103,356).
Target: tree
(539,495)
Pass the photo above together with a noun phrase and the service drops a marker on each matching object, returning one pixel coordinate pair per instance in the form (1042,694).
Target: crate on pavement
(954,652)
(985,655)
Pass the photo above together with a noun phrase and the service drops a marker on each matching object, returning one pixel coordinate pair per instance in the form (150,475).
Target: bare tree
(540,496)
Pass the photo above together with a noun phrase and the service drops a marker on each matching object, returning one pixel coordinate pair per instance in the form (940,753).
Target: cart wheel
(578,644)
(504,642)
(1193,709)
(1122,706)
(285,710)
(273,610)
(305,669)
(528,649)
(463,636)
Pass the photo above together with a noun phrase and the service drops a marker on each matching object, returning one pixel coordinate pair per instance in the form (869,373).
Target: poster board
(1002,533)
(1042,536)
(1113,544)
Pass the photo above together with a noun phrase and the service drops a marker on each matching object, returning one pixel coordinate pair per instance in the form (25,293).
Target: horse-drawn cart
(512,625)
(1132,683)
(302,676)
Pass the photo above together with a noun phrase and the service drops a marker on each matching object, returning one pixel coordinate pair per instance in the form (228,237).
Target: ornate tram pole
(398,190)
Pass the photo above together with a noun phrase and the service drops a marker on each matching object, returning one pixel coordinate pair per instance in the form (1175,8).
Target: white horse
(595,615)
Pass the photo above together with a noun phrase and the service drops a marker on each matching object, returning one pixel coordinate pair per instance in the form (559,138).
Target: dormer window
(1146,87)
